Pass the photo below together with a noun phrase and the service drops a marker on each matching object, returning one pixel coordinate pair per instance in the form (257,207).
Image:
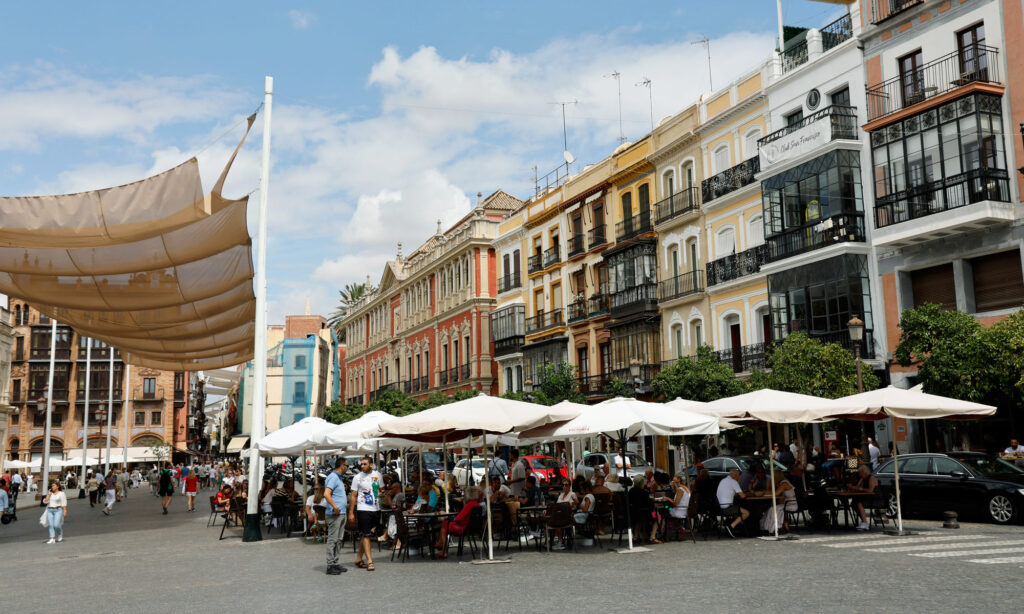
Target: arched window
(725,242)
(755,231)
(697,333)
(668,184)
(677,339)
(750,142)
(720,159)
(692,255)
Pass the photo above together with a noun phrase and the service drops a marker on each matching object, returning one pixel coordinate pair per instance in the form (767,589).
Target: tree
(950,349)
(434,399)
(558,382)
(618,388)
(338,412)
(161,450)
(702,378)
(395,402)
(347,297)
(1005,340)
(805,365)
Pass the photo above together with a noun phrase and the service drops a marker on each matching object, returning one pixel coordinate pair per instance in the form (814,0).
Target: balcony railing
(552,255)
(935,197)
(509,282)
(98,354)
(681,285)
(843,121)
(453,375)
(141,394)
(577,244)
(406,386)
(578,310)
(535,263)
(596,236)
(836,229)
(729,180)
(37,394)
(973,64)
(636,296)
(44,353)
(746,358)
(647,374)
(884,9)
(465,371)
(355,399)
(598,304)
(794,56)
(444,377)
(544,321)
(676,204)
(867,348)
(633,226)
(837,32)
(508,345)
(738,265)
(96,395)
(594,385)
(422,382)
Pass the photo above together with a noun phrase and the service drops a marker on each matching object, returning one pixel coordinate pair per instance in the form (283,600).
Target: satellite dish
(568,157)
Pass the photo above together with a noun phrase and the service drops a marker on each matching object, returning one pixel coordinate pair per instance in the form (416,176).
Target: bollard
(949,520)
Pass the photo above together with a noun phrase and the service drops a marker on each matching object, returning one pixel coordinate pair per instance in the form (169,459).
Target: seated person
(567,495)
(649,483)
(746,477)
(394,494)
(585,506)
(459,524)
(223,498)
(288,492)
(599,487)
(728,490)
(761,480)
(795,477)
(532,495)
(314,501)
(679,502)
(612,484)
(867,484)
(785,494)
(498,492)
(426,500)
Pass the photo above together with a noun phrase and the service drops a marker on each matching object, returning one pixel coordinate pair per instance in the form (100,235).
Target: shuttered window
(934,285)
(998,281)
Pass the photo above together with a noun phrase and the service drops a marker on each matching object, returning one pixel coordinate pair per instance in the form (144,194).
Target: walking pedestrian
(334,495)
(94,488)
(110,490)
(185,472)
(56,511)
(364,509)
(166,486)
(154,480)
(17,481)
(191,488)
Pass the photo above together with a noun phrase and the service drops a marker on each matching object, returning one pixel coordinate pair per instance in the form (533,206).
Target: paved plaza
(139,560)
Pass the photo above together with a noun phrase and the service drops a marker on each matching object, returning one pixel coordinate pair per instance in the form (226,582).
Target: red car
(544,467)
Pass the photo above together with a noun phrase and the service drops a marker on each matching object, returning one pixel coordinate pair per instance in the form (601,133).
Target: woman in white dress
(785,496)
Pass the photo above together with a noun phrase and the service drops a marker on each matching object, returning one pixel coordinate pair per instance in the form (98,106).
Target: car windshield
(545,463)
(635,462)
(746,462)
(989,465)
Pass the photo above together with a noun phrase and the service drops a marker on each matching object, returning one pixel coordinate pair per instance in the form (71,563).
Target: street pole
(110,411)
(865,455)
(124,417)
(259,399)
(45,465)
(85,419)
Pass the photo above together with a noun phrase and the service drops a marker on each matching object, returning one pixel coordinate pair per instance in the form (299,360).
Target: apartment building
(6,354)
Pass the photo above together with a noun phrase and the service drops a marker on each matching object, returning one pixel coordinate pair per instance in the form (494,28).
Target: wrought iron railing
(729,180)
(465,371)
(646,375)
(596,236)
(535,263)
(639,294)
(39,395)
(141,394)
(938,196)
(509,282)
(577,244)
(838,228)
(444,377)
(884,9)
(578,310)
(453,375)
(681,285)
(842,119)
(96,395)
(794,56)
(679,203)
(594,385)
(633,226)
(44,353)
(544,321)
(423,382)
(508,345)
(552,255)
(746,358)
(406,386)
(738,265)
(972,64)
(837,32)
(598,304)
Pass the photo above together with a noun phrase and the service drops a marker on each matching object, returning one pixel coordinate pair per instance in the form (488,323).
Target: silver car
(635,465)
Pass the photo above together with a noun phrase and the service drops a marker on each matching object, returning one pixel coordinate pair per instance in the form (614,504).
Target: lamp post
(528,390)
(856,326)
(634,372)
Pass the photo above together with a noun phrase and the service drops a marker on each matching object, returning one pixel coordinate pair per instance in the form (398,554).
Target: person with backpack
(166,486)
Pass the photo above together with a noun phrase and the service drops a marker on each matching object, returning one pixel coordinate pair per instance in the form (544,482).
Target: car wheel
(891,508)
(1001,509)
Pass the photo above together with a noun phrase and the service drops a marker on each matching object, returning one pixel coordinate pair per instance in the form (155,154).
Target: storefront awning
(237,444)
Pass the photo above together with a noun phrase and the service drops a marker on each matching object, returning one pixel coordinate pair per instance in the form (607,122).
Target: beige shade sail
(153,268)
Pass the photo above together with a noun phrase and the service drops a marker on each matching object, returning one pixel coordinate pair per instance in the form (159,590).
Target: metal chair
(560,517)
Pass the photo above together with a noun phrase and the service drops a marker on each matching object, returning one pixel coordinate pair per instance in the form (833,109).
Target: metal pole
(771,471)
(110,410)
(487,481)
(896,478)
(627,483)
(128,382)
(85,418)
(259,400)
(45,465)
(444,463)
(778,6)
(865,456)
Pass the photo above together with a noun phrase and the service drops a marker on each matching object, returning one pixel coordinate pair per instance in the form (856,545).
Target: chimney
(479,198)
(438,226)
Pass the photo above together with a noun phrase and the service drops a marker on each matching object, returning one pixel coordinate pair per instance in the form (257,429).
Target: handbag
(43,520)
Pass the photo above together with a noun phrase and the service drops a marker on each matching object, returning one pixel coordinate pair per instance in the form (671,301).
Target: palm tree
(350,295)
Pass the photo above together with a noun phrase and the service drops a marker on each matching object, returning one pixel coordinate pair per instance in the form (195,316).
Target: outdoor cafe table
(535,517)
(845,498)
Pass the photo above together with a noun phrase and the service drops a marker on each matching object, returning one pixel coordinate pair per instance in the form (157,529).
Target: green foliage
(950,349)
(515,396)
(807,366)
(1006,341)
(558,382)
(338,412)
(347,297)
(618,388)
(701,378)
(434,399)
(395,402)
(462,394)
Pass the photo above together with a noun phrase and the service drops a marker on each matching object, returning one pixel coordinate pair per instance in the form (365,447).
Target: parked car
(431,463)
(545,468)
(970,483)
(719,466)
(462,471)
(635,465)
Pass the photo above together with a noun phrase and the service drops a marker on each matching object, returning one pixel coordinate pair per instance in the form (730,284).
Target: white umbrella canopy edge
(780,407)
(293,439)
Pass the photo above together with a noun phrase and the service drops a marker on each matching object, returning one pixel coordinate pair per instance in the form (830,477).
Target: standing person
(364,508)
(122,483)
(110,490)
(874,453)
(191,488)
(517,482)
(94,489)
(498,469)
(334,495)
(56,511)
(185,472)
(165,486)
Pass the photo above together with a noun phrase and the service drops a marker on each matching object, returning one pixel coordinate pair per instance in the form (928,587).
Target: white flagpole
(85,418)
(110,411)
(128,382)
(259,399)
(45,465)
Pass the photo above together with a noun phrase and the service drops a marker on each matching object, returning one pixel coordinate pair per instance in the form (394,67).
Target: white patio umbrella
(622,419)
(780,407)
(20,464)
(893,402)
(480,415)
(294,439)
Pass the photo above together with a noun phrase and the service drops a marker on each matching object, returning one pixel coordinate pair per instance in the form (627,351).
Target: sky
(387,116)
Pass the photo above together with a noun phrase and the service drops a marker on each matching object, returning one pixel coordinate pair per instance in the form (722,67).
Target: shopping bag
(44,521)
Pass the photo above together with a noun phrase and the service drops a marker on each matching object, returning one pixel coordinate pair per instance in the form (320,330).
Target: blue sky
(387,115)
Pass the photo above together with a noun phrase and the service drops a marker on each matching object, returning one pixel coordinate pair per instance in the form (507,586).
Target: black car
(970,483)
(719,466)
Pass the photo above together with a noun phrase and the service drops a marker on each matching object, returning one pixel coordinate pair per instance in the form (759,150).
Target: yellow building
(732,121)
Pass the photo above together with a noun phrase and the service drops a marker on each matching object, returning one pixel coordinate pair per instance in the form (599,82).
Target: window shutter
(998,281)
(934,285)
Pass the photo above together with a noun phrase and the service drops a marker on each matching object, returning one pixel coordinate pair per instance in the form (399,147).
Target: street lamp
(856,326)
(528,389)
(634,372)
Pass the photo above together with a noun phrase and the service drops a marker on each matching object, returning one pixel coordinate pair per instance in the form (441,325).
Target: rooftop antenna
(707,45)
(618,80)
(569,159)
(650,95)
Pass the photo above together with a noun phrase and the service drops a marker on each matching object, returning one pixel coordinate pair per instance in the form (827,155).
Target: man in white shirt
(793,448)
(873,453)
(620,457)
(518,480)
(16,483)
(1014,453)
(728,490)
(364,508)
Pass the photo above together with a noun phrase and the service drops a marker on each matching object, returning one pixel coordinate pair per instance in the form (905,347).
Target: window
(508,379)
(556,296)
(841,97)
(156,418)
(16,388)
(698,334)
(677,338)
(300,361)
(643,195)
(934,285)
(140,418)
(794,118)
(627,205)
(917,465)
(945,466)
(641,341)
(538,301)
(750,143)
(466,345)
(971,49)
(299,395)
(673,261)
(720,159)
(148,387)
(912,84)
(605,351)
(755,231)
(515,264)
(670,183)
(725,242)
(998,281)
(582,361)
(694,258)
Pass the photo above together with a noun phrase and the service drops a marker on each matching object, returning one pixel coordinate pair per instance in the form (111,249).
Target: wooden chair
(410,530)
(560,517)
(212,520)
(602,516)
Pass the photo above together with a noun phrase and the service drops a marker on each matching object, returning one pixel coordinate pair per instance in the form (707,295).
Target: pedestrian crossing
(934,545)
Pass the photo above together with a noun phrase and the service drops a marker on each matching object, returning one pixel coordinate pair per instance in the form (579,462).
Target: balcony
(422,383)
(465,371)
(842,124)
(596,236)
(578,310)
(594,385)
(677,204)
(355,399)
(535,263)
(633,226)
(406,386)
(44,353)
(141,394)
(544,320)
(934,197)
(508,345)
(453,375)
(643,297)
(837,32)
(552,256)
(735,266)
(96,395)
(577,244)
(509,282)
(840,228)
(444,377)
(37,394)
(681,285)
(99,354)
(746,358)
(974,64)
(795,56)
(885,9)
(729,180)
(647,375)
(599,304)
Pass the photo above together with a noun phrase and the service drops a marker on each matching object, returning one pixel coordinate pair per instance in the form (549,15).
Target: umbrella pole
(490,533)
(896,479)
(572,459)
(771,472)
(444,463)
(629,515)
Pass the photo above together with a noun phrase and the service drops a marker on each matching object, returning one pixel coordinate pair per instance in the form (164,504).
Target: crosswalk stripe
(936,555)
(1007,559)
(944,545)
(892,541)
(833,538)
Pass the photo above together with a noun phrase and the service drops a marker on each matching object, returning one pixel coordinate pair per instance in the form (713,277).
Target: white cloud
(300,19)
